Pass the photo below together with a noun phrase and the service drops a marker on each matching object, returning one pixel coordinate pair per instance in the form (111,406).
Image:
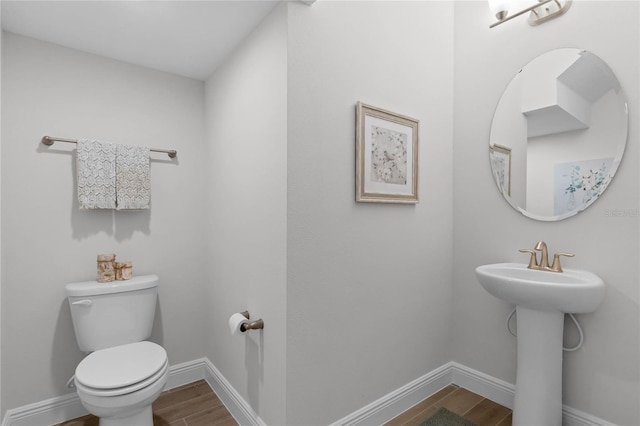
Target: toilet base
(140,418)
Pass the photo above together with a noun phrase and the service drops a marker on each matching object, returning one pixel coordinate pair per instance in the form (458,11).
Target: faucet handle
(533,260)
(556,267)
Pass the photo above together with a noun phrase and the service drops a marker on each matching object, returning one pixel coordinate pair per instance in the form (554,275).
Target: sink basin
(542,299)
(571,291)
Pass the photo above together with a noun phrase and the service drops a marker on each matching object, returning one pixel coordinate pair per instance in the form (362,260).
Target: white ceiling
(188,38)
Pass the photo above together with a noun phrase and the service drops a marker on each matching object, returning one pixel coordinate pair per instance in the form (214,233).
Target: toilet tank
(111,314)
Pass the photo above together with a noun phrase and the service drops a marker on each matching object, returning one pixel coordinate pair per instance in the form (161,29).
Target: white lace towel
(133,183)
(96,170)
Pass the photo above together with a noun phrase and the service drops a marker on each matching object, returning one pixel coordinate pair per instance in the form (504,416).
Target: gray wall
(259,212)
(337,282)
(369,285)
(47,241)
(1,35)
(247,225)
(602,378)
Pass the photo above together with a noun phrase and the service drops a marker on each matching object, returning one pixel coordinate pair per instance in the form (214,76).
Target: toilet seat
(121,369)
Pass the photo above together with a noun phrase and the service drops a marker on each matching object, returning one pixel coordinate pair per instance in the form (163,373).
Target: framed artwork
(501,166)
(386,156)
(577,184)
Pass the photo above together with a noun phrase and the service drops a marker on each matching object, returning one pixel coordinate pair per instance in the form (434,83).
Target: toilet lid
(121,366)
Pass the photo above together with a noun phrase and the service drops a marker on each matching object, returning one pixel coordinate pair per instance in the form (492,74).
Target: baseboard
(573,417)
(398,401)
(67,407)
(49,412)
(503,393)
(186,372)
(202,368)
(237,406)
(491,388)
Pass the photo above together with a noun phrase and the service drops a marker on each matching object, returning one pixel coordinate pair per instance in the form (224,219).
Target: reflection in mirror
(558,134)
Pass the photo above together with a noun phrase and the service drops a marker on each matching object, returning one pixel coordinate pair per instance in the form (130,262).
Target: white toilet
(123,374)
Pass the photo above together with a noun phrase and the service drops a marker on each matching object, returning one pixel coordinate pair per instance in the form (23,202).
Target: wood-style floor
(471,406)
(195,404)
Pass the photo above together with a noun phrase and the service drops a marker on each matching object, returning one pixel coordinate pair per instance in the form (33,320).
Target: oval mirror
(558,134)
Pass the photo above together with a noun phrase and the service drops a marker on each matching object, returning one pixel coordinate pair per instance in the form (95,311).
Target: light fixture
(499,8)
(541,12)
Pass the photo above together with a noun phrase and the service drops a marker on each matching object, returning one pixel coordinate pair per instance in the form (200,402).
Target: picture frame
(578,184)
(387,147)
(501,166)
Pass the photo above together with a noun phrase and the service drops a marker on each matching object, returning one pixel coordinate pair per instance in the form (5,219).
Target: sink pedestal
(541,299)
(538,399)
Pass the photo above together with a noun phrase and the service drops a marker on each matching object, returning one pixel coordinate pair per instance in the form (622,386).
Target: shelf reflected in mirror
(558,134)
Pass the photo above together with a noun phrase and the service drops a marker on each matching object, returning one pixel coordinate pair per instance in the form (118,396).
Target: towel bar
(49,140)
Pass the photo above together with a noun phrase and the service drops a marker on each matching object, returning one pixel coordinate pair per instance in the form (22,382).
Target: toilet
(123,373)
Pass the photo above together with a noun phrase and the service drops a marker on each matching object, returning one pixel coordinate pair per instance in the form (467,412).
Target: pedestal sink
(542,298)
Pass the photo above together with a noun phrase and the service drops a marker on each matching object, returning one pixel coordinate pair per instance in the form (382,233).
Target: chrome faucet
(541,246)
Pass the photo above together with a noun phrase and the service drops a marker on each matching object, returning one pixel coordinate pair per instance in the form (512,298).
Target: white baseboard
(49,412)
(503,393)
(491,388)
(398,401)
(185,373)
(237,406)
(67,407)
(573,417)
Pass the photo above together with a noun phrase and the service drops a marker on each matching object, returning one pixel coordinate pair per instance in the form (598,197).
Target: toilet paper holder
(254,325)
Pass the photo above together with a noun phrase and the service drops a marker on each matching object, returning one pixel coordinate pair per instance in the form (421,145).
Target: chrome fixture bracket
(540,12)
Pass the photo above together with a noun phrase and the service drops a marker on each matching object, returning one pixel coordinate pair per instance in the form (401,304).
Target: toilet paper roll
(235,321)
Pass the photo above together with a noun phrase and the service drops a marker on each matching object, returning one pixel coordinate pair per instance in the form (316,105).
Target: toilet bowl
(123,373)
(120,383)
